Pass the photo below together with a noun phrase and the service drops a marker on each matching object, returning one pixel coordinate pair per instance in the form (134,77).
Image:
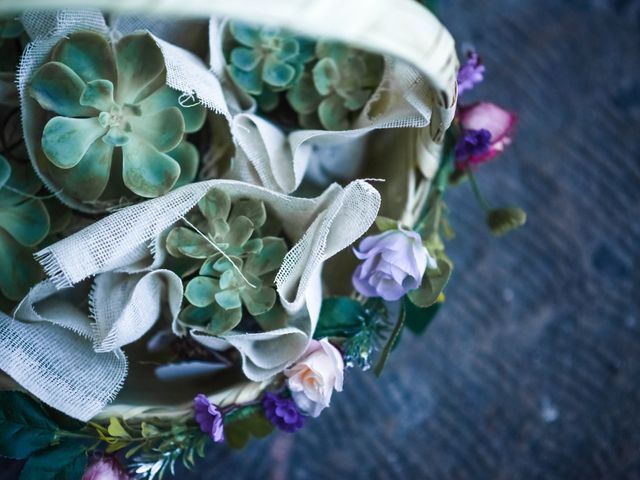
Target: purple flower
(394,263)
(472,144)
(282,412)
(105,468)
(208,417)
(497,122)
(471,73)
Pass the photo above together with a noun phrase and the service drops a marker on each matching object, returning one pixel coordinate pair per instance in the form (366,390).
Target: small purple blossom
(472,144)
(394,263)
(208,417)
(282,412)
(471,73)
(482,122)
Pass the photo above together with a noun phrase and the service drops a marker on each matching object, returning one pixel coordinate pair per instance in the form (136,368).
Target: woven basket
(406,158)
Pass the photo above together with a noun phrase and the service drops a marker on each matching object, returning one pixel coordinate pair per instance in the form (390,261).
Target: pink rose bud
(487,130)
(314,376)
(105,468)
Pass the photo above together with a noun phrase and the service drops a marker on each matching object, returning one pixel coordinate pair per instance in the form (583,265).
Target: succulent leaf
(186,155)
(88,54)
(25,222)
(114,95)
(66,140)
(146,171)
(58,88)
(138,79)
(201,291)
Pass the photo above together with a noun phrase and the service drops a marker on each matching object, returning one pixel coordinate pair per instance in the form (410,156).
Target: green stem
(84,436)
(476,191)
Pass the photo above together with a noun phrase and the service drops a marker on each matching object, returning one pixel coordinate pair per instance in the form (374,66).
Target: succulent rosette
(231,263)
(264,61)
(325,83)
(337,87)
(116,128)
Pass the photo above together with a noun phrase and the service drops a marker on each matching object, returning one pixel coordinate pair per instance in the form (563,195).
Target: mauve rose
(489,117)
(314,376)
(105,468)
(394,263)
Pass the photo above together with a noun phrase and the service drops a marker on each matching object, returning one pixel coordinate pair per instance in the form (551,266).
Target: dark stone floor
(532,368)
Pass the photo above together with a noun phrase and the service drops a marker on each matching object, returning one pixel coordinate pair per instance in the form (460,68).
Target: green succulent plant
(266,61)
(234,265)
(11,31)
(10,28)
(24,224)
(337,87)
(117,127)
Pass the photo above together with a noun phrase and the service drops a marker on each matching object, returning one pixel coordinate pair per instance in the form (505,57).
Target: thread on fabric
(212,243)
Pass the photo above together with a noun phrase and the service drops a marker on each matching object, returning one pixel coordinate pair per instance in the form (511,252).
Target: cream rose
(314,376)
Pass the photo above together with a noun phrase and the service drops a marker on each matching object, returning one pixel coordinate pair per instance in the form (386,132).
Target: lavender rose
(394,263)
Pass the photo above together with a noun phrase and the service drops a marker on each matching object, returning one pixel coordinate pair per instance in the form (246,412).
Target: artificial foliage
(116,129)
(230,265)
(326,84)
(337,87)
(264,61)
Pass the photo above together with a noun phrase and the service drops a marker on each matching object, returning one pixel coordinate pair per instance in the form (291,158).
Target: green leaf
(246,59)
(244,34)
(277,73)
(242,424)
(140,67)
(201,291)
(215,204)
(66,140)
(65,461)
(116,429)
(333,114)
(418,319)
(340,317)
(58,88)
(385,223)
(433,283)
(88,54)
(24,426)
(164,129)
(28,223)
(391,342)
(146,171)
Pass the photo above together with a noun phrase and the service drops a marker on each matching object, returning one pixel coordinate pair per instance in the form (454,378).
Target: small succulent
(266,61)
(118,128)
(24,224)
(234,265)
(337,87)
(10,28)
(11,31)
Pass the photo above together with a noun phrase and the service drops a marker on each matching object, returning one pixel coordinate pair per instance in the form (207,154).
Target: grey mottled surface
(532,368)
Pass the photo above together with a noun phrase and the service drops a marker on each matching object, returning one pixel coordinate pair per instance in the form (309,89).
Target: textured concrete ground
(532,368)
